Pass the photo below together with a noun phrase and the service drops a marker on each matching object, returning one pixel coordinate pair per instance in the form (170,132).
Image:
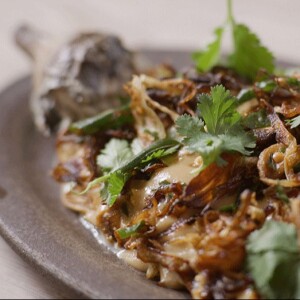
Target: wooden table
(185,24)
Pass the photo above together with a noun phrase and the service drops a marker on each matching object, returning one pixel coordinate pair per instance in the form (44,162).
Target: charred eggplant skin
(76,79)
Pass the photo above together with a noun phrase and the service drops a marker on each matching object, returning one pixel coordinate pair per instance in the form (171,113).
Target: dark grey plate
(36,224)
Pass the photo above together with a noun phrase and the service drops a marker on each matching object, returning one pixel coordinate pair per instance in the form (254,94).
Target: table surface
(171,24)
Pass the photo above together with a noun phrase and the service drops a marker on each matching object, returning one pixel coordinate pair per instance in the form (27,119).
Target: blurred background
(163,24)
(183,24)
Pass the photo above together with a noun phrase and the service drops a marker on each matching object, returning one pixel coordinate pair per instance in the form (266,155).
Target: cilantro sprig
(248,55)
(218,129)
(209,57)
(115,153)
(273,260)
(115,180)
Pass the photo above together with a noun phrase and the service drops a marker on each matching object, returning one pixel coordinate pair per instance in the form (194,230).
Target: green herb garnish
(273,260)
(109,119)
(208,58)
(114,186)
(116,179)
(127,232)
(218,130)
(115,153)
(248,55)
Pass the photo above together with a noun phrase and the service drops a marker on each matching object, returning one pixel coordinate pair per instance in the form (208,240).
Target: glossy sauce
(179,170)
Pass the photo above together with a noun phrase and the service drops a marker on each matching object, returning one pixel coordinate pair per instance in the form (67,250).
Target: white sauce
(179,170)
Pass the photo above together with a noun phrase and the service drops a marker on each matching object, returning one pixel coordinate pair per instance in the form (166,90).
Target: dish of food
(189,183)
(193,178)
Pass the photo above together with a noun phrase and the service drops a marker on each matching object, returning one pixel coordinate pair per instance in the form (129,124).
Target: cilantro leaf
(209,146)
(218,110)
(273,259)
(187,124)
(115,153)
(136,146)
(295,122)
(237,141)
(128,232)
(249,54)
(208,58)
(224,131)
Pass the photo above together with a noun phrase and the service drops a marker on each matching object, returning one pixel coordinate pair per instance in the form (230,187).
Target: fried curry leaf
(208,58)
(273,260)
(112,118)
(223,129)
(257,119)
(127,232)
(115,153)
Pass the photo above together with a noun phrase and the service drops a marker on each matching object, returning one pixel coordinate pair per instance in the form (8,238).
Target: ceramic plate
(36,224)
